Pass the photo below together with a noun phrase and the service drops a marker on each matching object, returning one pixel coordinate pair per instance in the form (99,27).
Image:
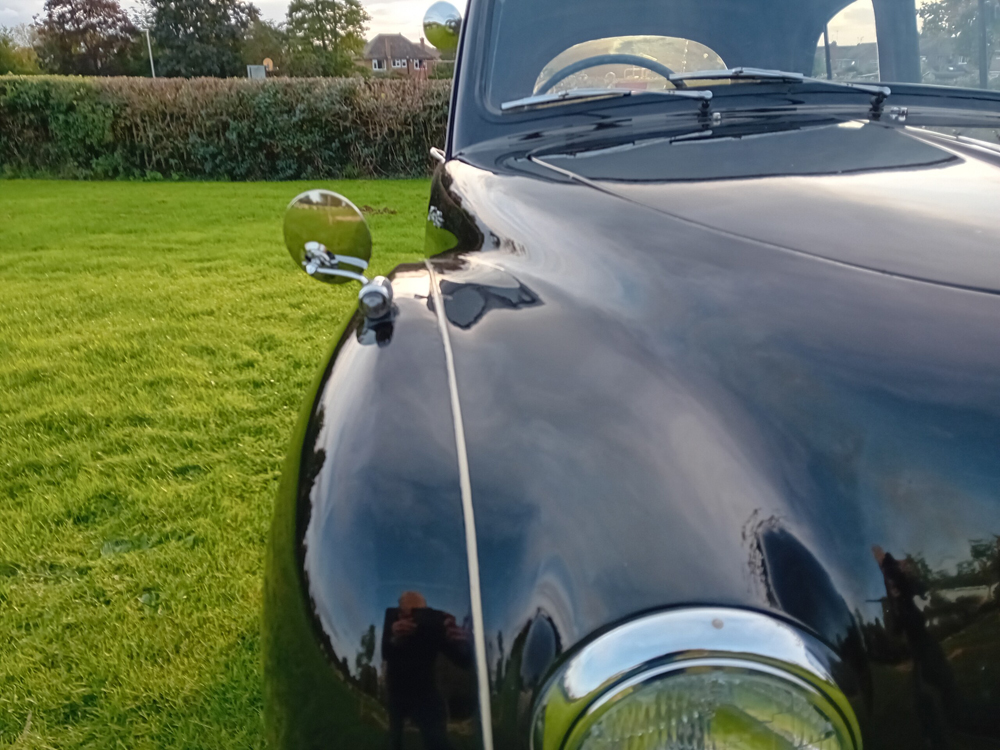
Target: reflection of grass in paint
(156,342)
(438,240)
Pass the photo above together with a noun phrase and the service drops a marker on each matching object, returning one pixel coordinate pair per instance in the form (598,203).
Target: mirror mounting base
(375,298)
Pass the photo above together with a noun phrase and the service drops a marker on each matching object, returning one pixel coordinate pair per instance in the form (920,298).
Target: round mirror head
(327,237)
(442,25)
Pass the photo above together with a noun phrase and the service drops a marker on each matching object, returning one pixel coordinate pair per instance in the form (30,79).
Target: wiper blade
(761,74)
(541,100)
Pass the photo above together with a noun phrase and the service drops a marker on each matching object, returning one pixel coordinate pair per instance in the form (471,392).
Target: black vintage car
(688,434)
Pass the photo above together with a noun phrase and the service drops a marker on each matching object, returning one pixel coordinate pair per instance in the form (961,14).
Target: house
(857,61)
(394,53)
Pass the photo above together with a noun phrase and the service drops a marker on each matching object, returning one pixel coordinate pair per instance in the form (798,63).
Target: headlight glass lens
(714,709)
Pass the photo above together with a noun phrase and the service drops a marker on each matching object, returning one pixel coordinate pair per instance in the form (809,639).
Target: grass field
(155,345)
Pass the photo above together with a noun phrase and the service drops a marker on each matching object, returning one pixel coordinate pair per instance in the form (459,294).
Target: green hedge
(219,129)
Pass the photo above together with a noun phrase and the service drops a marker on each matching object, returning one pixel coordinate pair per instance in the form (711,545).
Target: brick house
(394,53)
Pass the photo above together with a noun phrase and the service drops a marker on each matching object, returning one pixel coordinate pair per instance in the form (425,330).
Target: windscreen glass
(552,46)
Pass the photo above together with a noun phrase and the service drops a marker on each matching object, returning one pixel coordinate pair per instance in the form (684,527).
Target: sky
(855,23)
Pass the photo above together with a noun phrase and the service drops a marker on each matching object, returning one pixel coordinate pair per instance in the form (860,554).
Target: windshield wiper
(881,93)
(760,74)
(575,95)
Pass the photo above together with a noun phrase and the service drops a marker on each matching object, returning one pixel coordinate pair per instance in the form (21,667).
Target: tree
(443,71)
(200,37)
(265,39)
(16,53)
(86,37)
(325,35)
(957,21)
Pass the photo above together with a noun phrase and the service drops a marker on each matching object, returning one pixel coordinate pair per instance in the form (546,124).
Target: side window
(378,64)
(960,42)
(947,43)
(848,48)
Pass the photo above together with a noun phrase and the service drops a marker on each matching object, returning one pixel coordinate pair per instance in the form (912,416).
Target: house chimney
(422,41)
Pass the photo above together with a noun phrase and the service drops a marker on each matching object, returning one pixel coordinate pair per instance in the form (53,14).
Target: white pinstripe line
(471,545)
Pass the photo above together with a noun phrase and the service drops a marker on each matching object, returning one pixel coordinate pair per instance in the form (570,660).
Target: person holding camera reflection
(413,639)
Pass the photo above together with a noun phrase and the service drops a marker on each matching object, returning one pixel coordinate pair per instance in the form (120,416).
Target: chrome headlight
(697,679)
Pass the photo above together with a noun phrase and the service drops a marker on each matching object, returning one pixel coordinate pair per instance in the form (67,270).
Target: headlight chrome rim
(658,646)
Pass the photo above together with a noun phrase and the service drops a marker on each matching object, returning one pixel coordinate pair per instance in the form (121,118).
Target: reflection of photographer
(412,639)
(933,681)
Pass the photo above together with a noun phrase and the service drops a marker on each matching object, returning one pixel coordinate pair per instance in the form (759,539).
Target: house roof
(398,47)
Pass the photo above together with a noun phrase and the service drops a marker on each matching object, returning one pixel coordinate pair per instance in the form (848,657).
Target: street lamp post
(826,48)
(985,18)
(149,46)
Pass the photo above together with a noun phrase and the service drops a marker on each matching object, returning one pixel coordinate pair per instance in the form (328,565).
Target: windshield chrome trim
(676,639)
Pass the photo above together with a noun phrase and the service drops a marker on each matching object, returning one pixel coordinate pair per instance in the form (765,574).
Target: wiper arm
(760,74)
(540,100)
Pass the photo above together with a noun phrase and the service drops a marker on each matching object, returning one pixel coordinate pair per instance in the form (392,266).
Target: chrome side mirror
(442,26)
(329,239)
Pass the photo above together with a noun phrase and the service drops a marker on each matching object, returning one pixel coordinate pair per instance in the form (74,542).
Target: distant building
(856,61)
(394,53)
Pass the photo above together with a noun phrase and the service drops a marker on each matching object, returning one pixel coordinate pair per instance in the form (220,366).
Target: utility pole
(984,55)
(149,46)
(826,45)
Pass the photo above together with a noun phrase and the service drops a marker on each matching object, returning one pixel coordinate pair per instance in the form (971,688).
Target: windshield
(553,46)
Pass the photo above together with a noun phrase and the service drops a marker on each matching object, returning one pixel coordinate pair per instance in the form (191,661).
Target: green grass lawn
(155,345)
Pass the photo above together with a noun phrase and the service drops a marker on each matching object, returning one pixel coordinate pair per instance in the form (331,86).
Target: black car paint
(775,390)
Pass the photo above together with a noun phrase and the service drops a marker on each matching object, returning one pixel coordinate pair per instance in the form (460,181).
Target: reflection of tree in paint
(366,672)
(934,687)
(944,626)
(519,675)
(935,647)
(950,601)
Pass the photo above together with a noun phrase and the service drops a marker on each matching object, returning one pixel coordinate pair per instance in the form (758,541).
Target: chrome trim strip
(471,545)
